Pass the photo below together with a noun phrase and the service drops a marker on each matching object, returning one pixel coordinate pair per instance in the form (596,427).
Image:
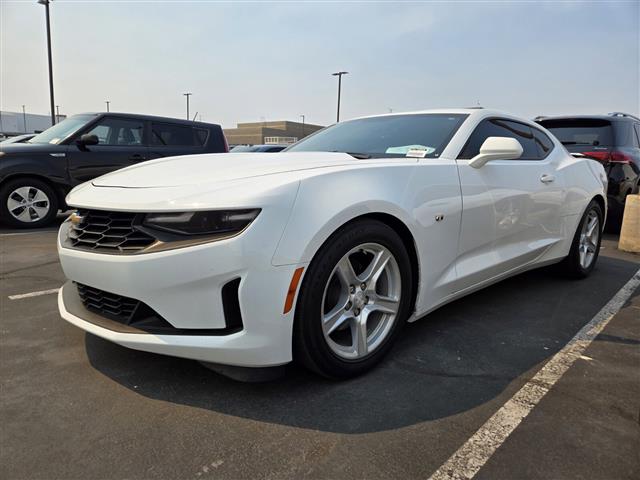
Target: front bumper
(184,287)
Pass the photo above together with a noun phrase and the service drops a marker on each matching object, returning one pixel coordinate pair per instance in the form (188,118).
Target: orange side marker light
(293,288)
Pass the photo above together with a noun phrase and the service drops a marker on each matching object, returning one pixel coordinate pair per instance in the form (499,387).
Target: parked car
(18,139)
(322,252)
(612,139)
(35,176)
(258,148)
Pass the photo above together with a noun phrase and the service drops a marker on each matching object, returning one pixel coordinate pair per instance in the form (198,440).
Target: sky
(261,61)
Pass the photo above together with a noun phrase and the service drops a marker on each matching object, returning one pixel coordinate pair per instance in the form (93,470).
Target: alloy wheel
(361,301)
(589,239)
(28,204)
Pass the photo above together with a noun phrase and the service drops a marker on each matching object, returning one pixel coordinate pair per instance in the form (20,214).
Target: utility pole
(46,6)
(339,75)
(302,125)
(107,102)
(24,119)
(187,95)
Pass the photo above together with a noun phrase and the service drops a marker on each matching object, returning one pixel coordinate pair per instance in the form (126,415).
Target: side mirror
(497,148)
(88,139)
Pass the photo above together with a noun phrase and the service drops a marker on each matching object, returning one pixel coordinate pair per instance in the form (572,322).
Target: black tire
(309,344)
(46,189)
(571,266)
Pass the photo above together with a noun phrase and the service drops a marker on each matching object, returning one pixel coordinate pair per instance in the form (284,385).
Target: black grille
(102,231)
(111,305)
(134,314)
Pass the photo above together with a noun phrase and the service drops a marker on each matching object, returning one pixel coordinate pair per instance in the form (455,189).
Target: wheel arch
(406,236)
(60,193)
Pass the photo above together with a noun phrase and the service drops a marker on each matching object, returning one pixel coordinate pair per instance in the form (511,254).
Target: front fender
(328,201)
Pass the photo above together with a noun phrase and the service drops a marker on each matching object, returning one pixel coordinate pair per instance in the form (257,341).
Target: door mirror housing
(88,139)
(497,148)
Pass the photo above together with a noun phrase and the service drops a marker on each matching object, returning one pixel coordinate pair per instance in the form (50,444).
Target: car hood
(30,148)
(217,168)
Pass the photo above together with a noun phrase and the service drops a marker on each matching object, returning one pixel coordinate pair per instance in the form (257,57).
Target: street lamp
(339,75)
(302,125)
(187,95)
(46,6)
(107,102)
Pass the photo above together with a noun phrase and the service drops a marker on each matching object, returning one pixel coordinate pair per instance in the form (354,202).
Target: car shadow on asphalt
(455,359)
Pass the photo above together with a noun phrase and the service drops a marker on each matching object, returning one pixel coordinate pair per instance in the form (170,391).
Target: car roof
(479,112)
(612,118)
(150,117)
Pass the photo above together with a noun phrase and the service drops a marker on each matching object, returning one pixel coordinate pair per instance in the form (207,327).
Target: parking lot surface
(76,406)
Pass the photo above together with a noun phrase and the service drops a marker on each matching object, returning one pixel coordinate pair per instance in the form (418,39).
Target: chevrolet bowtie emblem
(76,219)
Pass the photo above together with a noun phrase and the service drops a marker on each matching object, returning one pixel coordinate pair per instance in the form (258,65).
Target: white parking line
(33,294)
(470,457)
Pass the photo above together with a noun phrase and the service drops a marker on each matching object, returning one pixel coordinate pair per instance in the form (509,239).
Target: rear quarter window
(174,135)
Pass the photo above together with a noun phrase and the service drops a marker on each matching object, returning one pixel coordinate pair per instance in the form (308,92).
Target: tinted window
(501,128)
(387,136)
(168,134)
(581,131)
(543,143)
(118,131)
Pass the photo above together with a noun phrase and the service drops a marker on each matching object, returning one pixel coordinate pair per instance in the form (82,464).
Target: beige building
(258,133)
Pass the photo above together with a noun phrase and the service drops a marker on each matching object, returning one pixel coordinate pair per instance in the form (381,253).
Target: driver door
(121,143)
(511,208)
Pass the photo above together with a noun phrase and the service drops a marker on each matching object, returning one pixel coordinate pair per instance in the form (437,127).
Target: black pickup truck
(36,176)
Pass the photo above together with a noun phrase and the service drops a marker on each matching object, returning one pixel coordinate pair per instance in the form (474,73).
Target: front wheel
(586,244)
(353,301)
(28,203)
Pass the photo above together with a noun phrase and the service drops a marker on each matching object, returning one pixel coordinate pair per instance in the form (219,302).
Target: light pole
(187,95)
(57,113)
(46,7)
(302,125)
(24,119)
(339,75)
(107,102)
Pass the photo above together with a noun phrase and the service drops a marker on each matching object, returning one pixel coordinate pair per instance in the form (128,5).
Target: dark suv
(612,139)
(36,176)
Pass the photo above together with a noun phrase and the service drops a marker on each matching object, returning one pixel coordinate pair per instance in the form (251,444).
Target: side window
(118,131)
(543,143)
(168,134)
(501,128)
(637,129)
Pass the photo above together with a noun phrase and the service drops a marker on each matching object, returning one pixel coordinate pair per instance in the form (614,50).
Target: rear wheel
(27,203)
(586,244)
(353,301)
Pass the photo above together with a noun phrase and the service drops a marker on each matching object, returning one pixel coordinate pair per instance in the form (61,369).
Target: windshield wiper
(359,156)
(580,143)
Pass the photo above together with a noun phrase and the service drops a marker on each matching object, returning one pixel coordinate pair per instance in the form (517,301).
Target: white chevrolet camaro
(322,252)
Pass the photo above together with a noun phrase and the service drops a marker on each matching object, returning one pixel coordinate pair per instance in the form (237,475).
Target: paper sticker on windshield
(415,151)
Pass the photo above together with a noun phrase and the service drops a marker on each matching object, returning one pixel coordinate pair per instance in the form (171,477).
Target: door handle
(545,178)
(137,156)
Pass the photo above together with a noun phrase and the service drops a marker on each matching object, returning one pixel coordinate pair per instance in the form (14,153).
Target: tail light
(615,156)
(620,157)
(601,155)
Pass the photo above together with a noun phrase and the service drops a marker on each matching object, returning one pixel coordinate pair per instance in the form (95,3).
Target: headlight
(215,222)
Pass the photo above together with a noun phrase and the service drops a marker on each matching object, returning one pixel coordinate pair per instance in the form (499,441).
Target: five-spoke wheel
(355,296)
(27,203)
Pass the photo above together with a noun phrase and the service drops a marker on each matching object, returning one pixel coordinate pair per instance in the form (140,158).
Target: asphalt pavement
(75,406)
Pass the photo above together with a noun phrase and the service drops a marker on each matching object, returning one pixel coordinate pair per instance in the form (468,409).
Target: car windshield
(246,148)
(418,135)
(62,130)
